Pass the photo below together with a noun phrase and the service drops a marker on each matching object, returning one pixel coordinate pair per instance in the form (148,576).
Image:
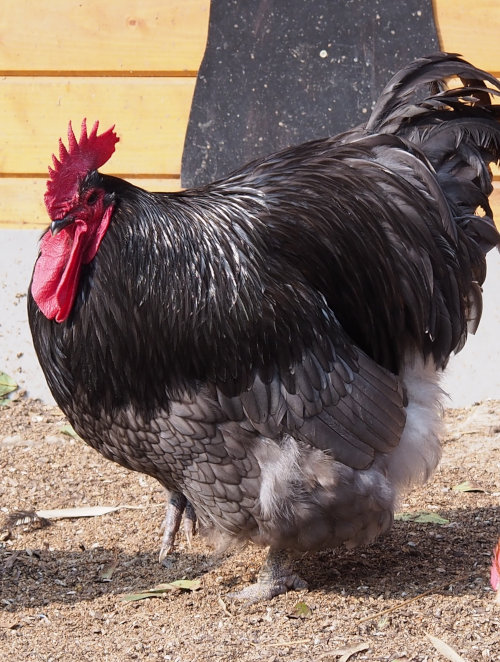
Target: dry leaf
(300,610)
(42,517)
(69,431)
(160,589)
(352,651)
(467,486)
(422,517)
(7,384)
(445,650)
(224,606)
(84,511)
(347,652)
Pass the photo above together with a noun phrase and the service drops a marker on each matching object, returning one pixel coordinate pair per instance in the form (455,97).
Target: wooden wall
(133,62)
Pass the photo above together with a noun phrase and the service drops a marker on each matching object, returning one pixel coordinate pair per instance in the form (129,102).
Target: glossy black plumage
(259,344)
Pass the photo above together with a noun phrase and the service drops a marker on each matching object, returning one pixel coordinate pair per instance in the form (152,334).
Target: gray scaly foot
(275,577)
(177,506)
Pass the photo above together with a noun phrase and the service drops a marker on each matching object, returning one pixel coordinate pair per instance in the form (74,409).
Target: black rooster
(269,346)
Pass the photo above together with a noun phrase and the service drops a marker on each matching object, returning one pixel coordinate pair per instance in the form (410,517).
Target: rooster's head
(80,211)
(67,190)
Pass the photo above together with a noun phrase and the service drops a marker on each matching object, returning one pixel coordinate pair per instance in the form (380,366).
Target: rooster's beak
(57,226)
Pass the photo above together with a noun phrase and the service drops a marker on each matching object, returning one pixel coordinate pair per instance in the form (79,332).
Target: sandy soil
(62,585)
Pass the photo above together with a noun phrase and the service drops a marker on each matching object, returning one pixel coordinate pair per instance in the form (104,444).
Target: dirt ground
(62,585)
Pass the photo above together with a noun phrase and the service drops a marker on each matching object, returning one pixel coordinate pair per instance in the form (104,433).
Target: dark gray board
(279,72)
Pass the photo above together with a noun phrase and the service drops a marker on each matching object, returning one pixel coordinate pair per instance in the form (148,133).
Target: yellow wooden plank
(92,35)
(150,115)
(21,199)
(471,28)
(495,203)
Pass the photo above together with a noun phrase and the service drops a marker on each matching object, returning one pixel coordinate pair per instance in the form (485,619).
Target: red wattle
(57,270)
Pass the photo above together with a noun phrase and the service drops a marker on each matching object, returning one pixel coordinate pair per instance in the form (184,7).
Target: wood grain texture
(495,202)
(150,116)
(91,35)
(471,28)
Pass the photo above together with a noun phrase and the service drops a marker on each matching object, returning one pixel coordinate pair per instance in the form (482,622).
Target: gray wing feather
(353,409)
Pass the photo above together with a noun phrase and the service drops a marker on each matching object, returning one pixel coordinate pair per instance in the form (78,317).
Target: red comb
(88,153)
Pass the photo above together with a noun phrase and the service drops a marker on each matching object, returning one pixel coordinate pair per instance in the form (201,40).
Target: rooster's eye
(92,198)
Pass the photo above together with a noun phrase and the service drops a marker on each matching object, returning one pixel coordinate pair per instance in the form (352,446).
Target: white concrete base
(472,376)
(18,251)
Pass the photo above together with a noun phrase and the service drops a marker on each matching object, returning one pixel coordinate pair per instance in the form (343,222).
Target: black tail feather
(427,73)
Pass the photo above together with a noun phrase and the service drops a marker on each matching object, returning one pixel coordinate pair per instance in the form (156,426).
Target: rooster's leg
(275,577)
(189,522)
(177,506)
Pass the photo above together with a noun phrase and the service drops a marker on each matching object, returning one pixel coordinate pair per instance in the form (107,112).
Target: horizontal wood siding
(472,29)
(134,63)
(131,63)
(126,37)
(150,116)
